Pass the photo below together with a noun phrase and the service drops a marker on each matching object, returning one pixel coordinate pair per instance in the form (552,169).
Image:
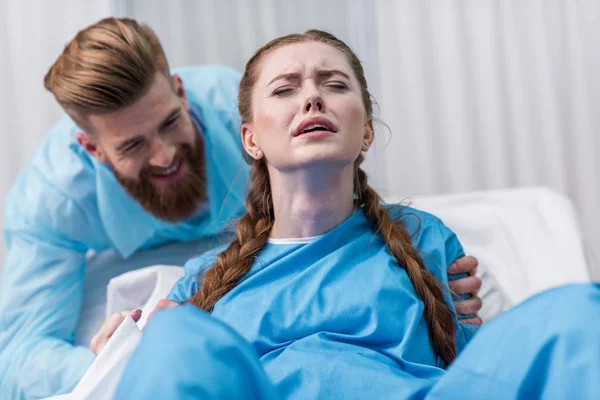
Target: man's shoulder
(211,85)
(58,171)
(208,74)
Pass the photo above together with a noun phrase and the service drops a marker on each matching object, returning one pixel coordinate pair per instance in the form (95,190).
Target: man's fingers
(468,285)
(472,321)
(467,264)
(468,306)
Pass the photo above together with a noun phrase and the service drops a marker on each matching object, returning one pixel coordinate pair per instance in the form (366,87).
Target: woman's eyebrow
(322,74)
(327,73)
(287,76)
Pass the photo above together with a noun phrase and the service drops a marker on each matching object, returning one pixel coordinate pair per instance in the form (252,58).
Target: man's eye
(131,148)
(171,122)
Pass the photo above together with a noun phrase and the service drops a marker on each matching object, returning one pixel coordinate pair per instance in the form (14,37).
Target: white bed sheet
(104,266)
(102,377)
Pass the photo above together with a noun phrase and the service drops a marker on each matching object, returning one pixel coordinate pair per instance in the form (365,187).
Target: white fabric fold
(101,379)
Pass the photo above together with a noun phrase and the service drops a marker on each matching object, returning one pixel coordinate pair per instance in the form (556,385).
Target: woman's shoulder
(426,230)
(204,260)
(195,268)
(413,219)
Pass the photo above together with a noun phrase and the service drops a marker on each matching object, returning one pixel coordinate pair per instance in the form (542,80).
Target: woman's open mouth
(315,127)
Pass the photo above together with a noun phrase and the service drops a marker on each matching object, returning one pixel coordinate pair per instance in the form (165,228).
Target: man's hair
(107,66)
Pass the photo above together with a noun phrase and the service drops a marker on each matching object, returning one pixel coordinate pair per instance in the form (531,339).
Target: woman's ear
(369,135)
(250,144)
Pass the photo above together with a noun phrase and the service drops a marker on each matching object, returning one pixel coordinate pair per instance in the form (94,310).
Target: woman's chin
(315,162)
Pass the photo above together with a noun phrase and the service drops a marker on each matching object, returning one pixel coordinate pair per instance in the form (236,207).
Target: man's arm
(41,293)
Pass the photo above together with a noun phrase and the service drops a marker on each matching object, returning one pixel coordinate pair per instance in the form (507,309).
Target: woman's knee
(558,311)
(568,301)
(186,328)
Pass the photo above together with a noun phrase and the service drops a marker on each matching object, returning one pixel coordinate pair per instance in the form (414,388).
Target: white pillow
(526,240)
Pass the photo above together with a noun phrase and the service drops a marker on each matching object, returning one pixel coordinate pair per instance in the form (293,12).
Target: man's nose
(162,154)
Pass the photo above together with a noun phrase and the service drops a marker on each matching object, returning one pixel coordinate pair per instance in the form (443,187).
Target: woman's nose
(314,103)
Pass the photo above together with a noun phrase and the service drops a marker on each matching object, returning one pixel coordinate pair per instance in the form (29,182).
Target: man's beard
(175,201)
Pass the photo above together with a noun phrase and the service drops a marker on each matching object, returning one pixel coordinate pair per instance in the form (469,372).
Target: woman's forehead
(302,58)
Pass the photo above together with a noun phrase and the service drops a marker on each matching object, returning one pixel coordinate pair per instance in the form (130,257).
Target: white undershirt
(305,240)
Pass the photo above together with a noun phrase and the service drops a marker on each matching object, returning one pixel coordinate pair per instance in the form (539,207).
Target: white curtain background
(477,94)
(489,94)
(32,34)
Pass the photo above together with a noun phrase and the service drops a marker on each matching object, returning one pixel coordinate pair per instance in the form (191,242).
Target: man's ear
(89,144)
(180,91)
(250,144)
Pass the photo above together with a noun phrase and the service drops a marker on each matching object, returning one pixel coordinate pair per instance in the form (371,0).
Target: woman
(326,293)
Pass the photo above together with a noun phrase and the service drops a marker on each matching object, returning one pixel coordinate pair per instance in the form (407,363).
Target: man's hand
(469,284)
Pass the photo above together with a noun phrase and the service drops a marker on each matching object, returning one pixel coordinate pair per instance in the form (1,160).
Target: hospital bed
(526,240)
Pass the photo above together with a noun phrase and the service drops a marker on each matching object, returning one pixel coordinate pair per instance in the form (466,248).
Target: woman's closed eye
(337,85)
(282,91)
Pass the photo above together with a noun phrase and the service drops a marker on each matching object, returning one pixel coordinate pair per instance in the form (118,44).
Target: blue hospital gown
(337,316)
(337,319)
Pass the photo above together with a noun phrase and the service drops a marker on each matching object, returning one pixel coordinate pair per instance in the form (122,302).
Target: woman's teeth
(314,128)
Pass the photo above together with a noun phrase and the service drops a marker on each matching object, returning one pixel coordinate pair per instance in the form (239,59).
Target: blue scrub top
(65,203)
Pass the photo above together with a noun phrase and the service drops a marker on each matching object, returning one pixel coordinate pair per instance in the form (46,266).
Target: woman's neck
(311,202)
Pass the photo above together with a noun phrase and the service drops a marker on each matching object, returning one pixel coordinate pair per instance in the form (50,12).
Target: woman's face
(307,109)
